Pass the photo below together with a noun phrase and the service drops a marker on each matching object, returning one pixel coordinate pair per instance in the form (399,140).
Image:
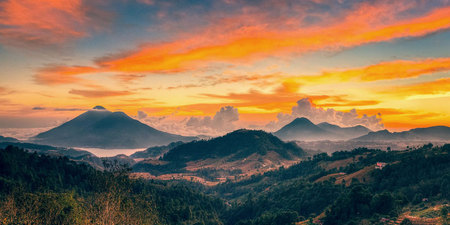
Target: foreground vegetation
(344,188)
(37,189)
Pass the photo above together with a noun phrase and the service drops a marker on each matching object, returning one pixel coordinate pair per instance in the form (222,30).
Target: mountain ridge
(303,129)
(434,133)
(100,128)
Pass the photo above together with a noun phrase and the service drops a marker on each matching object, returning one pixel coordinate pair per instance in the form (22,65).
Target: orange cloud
(60,74)
(437,87)
(254,97)
(383,111)
(44,22)
(366,24)
(261,80)
(283,98)
(128,78)
(6,91)
(99,93)
(382,71)
(356,29)
(350,103)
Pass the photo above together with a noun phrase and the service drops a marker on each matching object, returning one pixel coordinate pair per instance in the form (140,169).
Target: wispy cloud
(431,89)
(355,29)
(389,70)
(99,93)
(47,22)
(58,109)
(128,78)
(39,108)
(60,74)
(214,80)
(366,23)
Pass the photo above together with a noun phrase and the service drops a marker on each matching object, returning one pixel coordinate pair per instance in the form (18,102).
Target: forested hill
(346,188)
(238,144)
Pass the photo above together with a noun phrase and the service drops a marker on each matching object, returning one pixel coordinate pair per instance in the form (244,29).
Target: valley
(345,175)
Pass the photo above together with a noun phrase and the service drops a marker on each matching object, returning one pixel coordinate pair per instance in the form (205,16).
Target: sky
(208,67)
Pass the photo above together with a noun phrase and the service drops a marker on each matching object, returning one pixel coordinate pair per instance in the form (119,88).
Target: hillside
(8,139)
(156,151)
(100,128)
(238,144)
(239,153)
(345,188)
(344,133)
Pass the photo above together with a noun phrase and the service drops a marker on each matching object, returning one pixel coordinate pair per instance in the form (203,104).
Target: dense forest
(342,188)
(300,192)
(38,189)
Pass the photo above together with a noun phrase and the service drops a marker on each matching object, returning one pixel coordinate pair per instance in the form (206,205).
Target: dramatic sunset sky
(208,67)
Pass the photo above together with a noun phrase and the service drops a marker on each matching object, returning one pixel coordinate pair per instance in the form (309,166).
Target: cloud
(61,74)
(147,2)
(6,91)
(99,93)
(141,115)
(128,78)
(69,109)
(431,89)
(221,123)
(305,108)
(211,80)
(390,70)
(351,31)
(48,22)
(58,109)
(231,42)
(39,108)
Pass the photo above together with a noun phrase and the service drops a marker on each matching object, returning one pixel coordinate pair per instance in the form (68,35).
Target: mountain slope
(100,128)
(342,133)
(8,139)
(238,144)
(314,189)
(437,133)
(238,154)
(156,151)
(302,129)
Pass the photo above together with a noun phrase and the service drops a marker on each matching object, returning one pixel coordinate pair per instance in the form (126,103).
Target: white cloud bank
(305,108)
(221,123)
(227,120)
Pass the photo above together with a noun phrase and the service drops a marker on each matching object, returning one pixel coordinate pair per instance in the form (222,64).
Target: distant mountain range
(437,133)
(304,130)
(100,128)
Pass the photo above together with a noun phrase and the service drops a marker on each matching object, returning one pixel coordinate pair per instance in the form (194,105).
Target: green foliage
(46,190)
(238,144)
(406,221)
(37,189)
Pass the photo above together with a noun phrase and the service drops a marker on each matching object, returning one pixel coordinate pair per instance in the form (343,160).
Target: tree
(406,221)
